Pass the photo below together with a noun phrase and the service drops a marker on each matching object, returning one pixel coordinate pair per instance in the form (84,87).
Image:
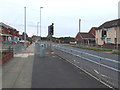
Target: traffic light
(50,29)
(104,33)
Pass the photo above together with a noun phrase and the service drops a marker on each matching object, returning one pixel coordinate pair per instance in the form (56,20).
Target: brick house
(86,38)
(8,33)
(0,36)
(111,29)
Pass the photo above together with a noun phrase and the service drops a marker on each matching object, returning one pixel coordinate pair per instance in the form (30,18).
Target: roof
(7,26)
(86,35)
(108,24)
(94,28)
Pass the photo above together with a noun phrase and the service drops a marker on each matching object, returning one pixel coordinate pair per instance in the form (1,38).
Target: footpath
(17,72)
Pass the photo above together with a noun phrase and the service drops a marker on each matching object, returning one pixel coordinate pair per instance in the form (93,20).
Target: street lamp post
(79,31)
(25,27)
(37,30)
(40,24)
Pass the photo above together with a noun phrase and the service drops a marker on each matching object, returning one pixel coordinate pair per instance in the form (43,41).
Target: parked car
(73,43)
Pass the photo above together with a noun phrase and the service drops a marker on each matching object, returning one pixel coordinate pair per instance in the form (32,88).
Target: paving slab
(17,72)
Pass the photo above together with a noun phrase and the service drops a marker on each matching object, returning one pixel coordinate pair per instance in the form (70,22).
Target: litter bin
(42,50)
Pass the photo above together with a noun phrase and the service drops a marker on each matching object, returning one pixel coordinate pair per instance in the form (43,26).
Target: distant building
(112,31)
(86,38)
(20,37)
(34,38)
(8,33)
(30,38)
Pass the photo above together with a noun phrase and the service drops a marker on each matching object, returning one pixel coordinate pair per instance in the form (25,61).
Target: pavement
(17,72)
(0,67)
(28,70)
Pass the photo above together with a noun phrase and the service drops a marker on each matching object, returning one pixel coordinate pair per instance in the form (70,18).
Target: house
(8,33)
(108,33)
(0,36)
(86,38)
(34,38)
(20,37)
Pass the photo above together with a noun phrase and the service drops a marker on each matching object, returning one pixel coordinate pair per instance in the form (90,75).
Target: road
(52,71)
(97,53)
(97,63)
(106,58)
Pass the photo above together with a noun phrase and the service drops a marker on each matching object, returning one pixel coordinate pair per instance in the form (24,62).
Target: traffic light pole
(50,33)
(51,42)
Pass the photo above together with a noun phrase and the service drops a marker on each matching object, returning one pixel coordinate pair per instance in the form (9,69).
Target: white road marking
(96,71)
(25,55)
(101,74)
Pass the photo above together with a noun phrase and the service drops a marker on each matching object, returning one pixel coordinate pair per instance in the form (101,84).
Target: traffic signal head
(50,29)
(104,33)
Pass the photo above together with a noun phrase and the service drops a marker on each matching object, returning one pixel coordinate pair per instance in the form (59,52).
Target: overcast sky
(65,15)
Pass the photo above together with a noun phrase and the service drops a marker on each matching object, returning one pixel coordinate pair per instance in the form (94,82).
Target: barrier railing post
(100,69)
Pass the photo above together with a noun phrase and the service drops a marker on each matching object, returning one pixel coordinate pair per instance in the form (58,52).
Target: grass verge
(116,52)
(89,48)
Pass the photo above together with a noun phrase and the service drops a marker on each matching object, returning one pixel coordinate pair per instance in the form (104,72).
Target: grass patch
(89,48)
(116,52)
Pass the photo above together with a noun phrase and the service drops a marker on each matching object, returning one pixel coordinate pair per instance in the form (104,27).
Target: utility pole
(25,27)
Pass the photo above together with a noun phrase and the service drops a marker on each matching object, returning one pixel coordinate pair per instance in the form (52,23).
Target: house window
(108,40)
(9,31)
(109,29)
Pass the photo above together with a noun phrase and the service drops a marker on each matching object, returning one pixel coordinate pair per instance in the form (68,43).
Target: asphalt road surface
(52,71)
(106,58)
(98,53)
(107,72)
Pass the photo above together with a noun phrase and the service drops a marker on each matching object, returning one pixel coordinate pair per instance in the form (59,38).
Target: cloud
(63,13)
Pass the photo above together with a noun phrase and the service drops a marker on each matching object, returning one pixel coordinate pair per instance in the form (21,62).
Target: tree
(23,36)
